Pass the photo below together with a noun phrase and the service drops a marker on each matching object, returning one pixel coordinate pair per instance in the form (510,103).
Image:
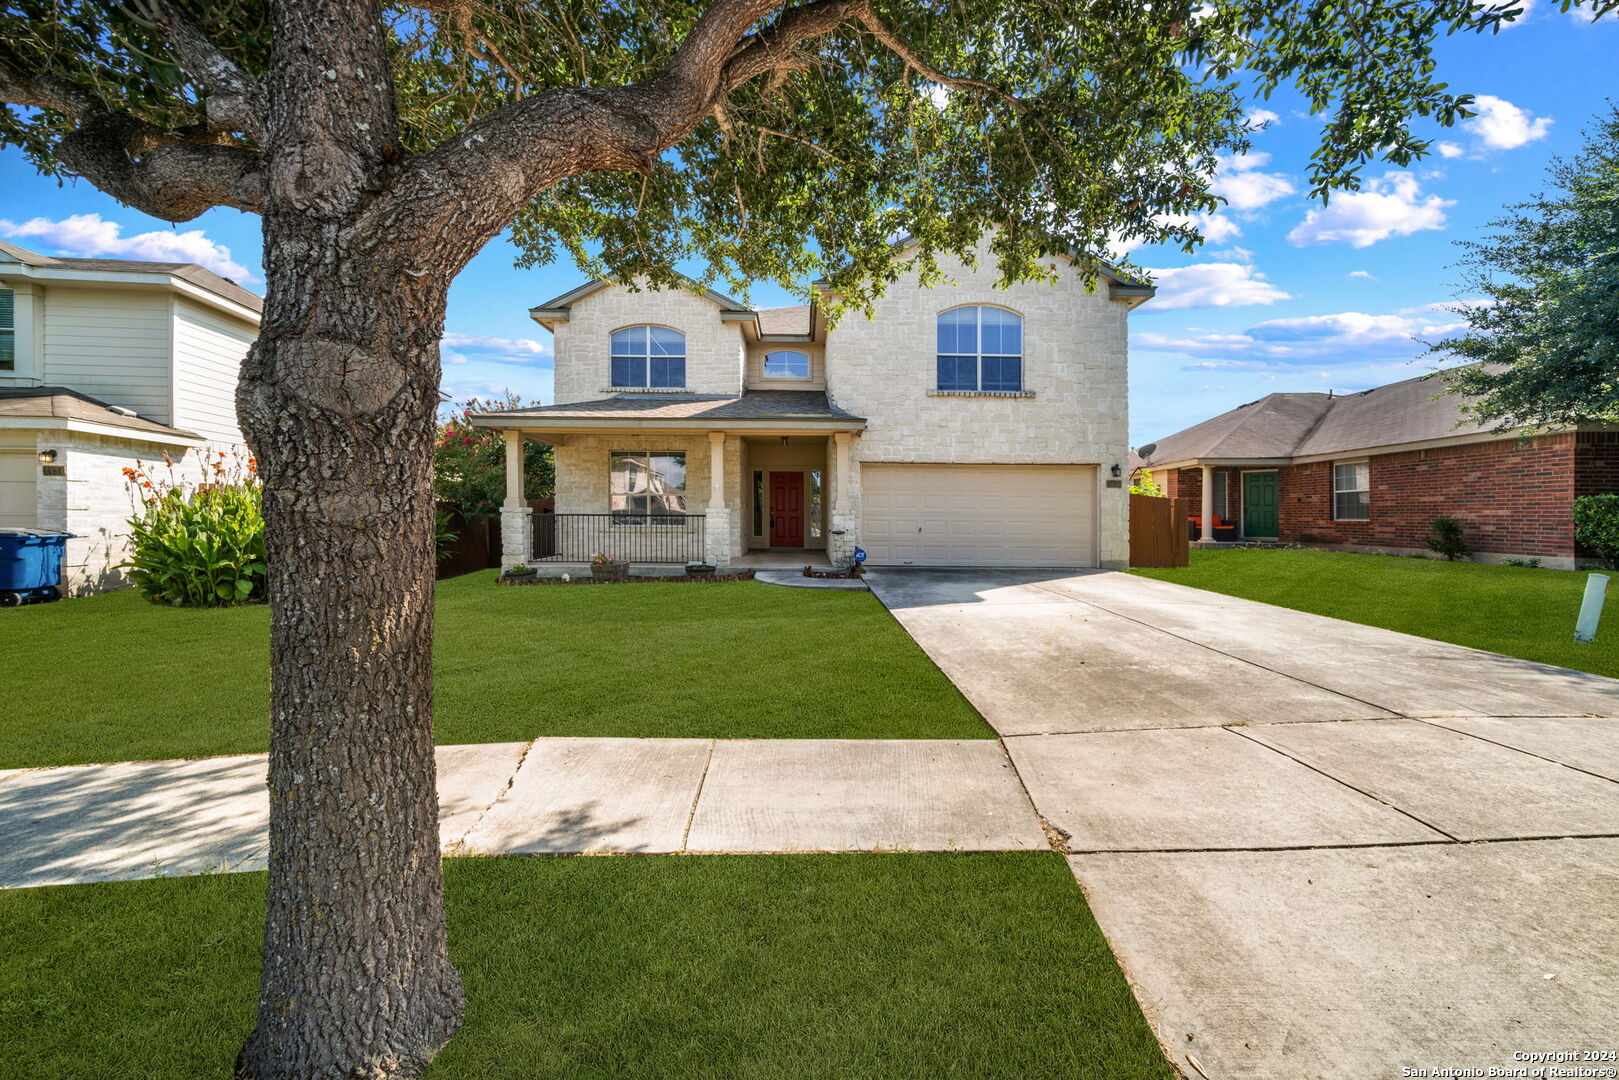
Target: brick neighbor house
(1370,471)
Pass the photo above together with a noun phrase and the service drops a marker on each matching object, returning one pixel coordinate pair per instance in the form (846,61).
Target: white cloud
(1450,150)
(1501,125)
(1216,228)
(1260,117)
(1216,284)
(1348,337)
(457,348)
(1362,275)
(1527,9)
(1392,205)
(92,236)
(1243,184)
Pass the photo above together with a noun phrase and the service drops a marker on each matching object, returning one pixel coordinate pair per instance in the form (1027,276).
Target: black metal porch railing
(633,538)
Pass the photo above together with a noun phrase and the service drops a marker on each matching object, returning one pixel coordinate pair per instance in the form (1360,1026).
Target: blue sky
(1285,296)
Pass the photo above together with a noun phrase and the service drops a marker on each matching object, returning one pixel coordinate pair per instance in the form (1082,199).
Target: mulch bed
(810,571)
(586,579)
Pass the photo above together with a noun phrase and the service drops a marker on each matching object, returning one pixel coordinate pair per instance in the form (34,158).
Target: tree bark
(338,400)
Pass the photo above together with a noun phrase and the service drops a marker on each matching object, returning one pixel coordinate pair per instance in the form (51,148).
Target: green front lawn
(113,678)
(886,967)
(1513,610)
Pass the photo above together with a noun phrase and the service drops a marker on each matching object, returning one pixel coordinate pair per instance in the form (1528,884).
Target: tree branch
(170,175)
(230,95)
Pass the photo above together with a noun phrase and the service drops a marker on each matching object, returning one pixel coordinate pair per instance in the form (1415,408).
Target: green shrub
(200,545)
(1596,525)
(1445,538)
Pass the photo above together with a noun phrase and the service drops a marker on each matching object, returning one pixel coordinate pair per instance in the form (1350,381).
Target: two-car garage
(978,515)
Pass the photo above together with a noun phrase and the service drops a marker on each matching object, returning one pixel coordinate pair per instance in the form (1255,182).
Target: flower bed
(849,572)
(586,579)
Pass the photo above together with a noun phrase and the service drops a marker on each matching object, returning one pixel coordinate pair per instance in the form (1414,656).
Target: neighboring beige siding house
(960,425)
(105,362)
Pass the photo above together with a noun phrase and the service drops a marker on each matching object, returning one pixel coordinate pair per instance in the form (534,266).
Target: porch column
(1206,533)
(516,525)
(845,535)
(717,523)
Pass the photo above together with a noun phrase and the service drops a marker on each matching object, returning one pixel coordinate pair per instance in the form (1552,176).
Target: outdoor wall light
(47,457)
(1116,470)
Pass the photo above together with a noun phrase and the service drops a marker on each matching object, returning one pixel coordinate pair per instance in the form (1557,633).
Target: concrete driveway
(1319,849)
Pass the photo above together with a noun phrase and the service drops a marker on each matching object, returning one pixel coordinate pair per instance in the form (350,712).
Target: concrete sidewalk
(1318,849)
(551,796)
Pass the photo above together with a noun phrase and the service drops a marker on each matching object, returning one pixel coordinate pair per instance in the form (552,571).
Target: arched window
(980,348)
(786,364)
(649,356)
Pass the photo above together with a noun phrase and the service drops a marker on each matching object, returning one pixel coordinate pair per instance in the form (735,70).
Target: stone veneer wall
(1074,366)
(583,464)
(93,504)
(714,350)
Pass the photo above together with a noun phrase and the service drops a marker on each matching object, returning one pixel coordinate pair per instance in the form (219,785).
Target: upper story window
(980,348)
(8,330)
(787,364)
(649,356)
(1351,491)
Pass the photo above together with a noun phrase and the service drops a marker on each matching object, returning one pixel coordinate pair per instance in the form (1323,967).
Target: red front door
(786,509)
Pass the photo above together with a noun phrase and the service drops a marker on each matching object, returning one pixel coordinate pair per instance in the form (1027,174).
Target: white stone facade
(1073,409)
(715,355)
(90,499)
(1075,361)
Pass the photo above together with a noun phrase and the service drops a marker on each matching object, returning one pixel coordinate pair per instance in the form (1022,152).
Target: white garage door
(979,515)
(17,469)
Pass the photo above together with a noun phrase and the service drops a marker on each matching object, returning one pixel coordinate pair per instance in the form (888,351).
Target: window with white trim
(1351,491)
(8,330)
(647,488)
(787,364)
(649,356)
(980,348)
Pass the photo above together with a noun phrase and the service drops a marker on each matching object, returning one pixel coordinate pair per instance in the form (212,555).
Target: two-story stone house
(959,425)
(103,363)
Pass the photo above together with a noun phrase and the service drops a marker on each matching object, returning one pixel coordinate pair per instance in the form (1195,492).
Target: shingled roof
(786,406)
(190,272)
(1281,426)
(62,403)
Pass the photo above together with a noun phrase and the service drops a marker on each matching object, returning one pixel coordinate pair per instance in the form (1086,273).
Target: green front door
(1259,504)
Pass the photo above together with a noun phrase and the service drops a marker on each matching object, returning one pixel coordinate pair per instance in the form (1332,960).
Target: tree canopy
(1544,334)
(830,127)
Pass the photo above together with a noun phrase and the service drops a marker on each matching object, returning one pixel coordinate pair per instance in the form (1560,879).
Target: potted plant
(519,572)
(698,569)
(604,567)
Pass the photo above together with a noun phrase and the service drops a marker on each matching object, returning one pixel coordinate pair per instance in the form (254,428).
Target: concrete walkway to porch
(1318,849)
(551,796)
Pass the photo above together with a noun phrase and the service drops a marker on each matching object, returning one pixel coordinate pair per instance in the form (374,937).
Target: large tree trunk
(338,401)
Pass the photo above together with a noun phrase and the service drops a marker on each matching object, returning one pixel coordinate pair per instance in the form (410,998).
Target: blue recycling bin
(30,565)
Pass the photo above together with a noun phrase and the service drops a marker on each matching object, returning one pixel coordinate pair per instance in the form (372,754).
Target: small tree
(1543,345)
(1596,525)
(469,463)
(1144,483)
(1446,538)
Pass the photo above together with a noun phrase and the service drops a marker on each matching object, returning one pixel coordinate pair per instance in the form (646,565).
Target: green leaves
(1596,526)
(469,464)
(1065,127)
(1542,335)
(203,548)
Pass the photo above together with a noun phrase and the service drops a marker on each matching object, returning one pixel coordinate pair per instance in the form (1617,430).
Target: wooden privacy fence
(1158,534)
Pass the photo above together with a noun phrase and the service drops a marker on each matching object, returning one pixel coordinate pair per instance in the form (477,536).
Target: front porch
(760,480)
(1238,503)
